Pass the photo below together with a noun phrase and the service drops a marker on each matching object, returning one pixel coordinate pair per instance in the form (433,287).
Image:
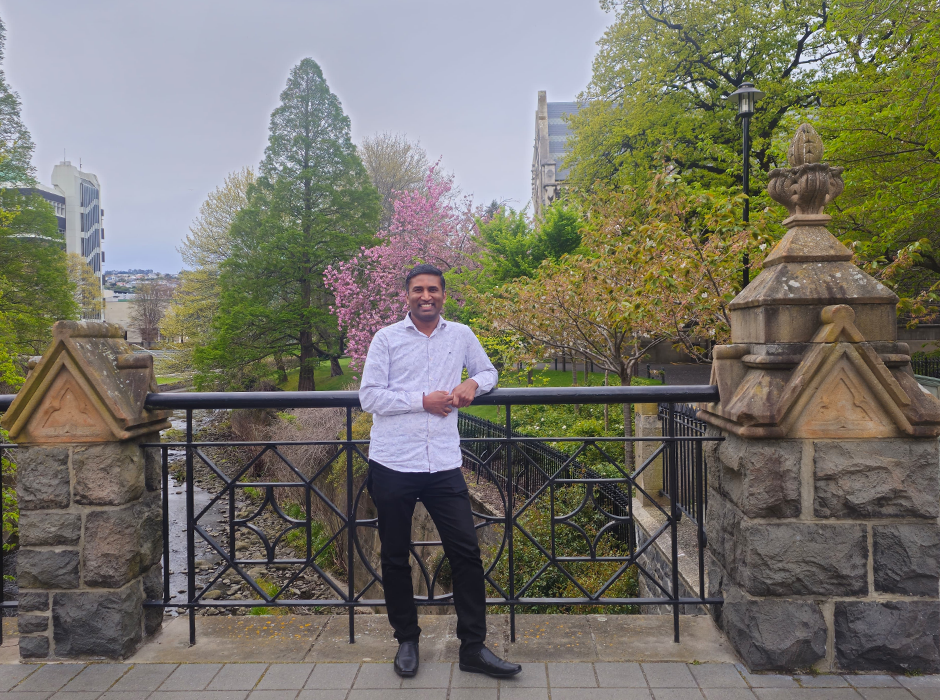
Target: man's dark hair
(425,269)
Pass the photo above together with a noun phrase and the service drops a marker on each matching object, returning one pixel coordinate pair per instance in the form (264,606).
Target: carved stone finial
(806,147)
(808,185)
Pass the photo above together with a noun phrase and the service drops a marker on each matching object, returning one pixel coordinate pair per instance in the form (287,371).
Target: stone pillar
(824,497)
(648,424)
(89,497)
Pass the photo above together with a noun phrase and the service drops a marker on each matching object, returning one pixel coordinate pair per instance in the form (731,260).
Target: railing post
(89,496)
(510,523)
(191,531)
(672,462)
(350,527)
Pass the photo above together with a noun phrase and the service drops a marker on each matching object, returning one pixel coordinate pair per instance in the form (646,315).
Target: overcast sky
(161,100)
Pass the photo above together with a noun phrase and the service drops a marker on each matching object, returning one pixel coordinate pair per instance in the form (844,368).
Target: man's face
(426,298)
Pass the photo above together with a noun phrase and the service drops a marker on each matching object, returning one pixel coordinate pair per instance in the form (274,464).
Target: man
(411,386)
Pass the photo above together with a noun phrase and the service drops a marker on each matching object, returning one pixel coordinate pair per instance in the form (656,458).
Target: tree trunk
(606,407)
(574,382)
(529,377)
(335,369)
(628,453)
(306,381)
(587,379)
(281,369)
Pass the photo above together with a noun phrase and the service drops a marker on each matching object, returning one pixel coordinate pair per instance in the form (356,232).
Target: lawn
(169,380)
(321,377)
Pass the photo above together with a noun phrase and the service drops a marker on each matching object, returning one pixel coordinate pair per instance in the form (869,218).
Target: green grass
(168,380)
(271,589)
(321,377)
(545,378)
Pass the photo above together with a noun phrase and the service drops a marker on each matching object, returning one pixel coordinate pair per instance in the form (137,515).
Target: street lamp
(746,97)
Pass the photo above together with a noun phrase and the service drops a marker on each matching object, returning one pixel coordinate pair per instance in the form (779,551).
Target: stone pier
(824,498)
(90,504)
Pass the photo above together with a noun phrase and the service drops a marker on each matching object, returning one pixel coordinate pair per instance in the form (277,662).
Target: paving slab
(571,675)
(49,678)
(274,638)
(238,677)
(601,694)
(322,694)
(668,675)
(620,674)
(285,677)
(717,676)
(190,677)
(431,674)
(517,693)
(11,675)
(98,677)
(807,694)
(332,676)
(728,694)
(144,677)
(677,694)
(897,693)
(556,637)
(650,638)
(473,693)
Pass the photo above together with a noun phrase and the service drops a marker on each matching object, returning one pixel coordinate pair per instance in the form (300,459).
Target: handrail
(497,397)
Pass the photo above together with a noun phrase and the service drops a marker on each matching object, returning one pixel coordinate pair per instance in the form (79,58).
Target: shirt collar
(441,323)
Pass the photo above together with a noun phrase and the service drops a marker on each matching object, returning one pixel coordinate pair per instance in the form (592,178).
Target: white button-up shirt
(402,367)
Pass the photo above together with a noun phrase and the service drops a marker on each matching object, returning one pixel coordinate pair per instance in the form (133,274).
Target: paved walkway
(442,681)
(565,657)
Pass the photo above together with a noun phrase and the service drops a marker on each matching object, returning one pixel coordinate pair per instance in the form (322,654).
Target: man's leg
(448,503)
(394,495)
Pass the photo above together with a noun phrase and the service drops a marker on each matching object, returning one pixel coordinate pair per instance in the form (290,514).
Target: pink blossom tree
(430,225)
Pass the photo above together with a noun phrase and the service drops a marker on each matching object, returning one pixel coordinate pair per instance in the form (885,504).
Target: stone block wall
(827,552)
(90,549)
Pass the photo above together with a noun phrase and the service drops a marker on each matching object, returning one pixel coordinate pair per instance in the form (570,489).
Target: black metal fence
(926,366)
(684,470)
(526,473)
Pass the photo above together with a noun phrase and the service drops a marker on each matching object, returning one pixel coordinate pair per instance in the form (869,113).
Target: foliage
(429,226)
(86,288)
(15,142)
(657,266)
(311,207)
(663,72)
(151,300)
(35,290)
(187,323)
(881,120)
(11,511)
(395,165)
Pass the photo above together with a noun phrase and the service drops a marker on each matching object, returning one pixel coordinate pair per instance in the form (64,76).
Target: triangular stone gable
(841,388)
(88,387)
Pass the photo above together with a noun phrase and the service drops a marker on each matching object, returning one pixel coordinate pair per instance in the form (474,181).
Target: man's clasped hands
(441,403)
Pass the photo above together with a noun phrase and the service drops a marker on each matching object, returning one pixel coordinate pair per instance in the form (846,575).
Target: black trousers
(445,496)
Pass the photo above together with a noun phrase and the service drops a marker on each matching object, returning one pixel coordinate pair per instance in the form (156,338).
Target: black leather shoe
(406,660)
(485,661)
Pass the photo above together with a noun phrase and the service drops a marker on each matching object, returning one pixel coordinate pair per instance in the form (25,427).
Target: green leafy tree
(881,120)
(559,232)
(15,141)
(663,72)
(312,206)
(35,290)
(187,323)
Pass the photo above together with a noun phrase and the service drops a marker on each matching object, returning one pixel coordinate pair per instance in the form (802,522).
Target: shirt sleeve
(374,395)
(479,367)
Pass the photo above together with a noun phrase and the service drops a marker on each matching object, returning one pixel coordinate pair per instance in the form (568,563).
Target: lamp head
(745,97)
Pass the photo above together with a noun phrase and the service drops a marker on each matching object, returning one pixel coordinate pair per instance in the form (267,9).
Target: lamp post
(746,96)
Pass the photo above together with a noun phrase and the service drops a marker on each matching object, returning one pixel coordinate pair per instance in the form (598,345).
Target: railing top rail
(497,397)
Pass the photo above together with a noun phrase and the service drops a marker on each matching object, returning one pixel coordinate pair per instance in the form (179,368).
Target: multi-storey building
(551,146)
(84,217)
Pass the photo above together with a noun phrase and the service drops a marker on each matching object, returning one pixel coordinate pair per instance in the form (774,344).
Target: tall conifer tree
(312,206)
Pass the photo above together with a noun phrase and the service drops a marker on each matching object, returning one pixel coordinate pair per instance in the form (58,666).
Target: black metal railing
(529,474)
(685,465)
(528,479)
(926,366)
